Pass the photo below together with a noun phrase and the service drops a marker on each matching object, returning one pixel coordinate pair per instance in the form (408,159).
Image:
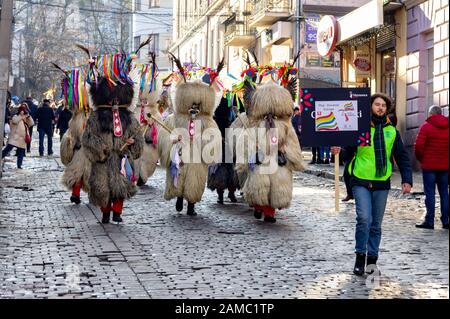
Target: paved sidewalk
(50,248)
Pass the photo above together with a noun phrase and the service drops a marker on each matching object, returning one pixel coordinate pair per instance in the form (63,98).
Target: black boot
(232,197)
(360,264)
(347,198)
(190,209)
(140,182)
(270,219)
(75,199)
(105,218)
(179,204)
(220,199)
(258,214)
(372,265)
(117,218)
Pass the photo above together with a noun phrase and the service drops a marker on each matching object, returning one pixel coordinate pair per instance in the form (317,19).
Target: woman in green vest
(370,170)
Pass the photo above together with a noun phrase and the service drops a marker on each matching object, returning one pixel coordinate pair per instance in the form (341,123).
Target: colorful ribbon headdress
(74,88)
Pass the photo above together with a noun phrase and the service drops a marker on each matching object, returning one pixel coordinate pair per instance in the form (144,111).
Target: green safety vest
(363,165)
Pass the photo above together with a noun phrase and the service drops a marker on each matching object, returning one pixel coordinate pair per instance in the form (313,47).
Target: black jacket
(45,117)
(63,120)
(33,109)
(401,158)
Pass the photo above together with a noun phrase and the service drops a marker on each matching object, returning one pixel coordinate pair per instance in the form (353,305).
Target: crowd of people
(49,117)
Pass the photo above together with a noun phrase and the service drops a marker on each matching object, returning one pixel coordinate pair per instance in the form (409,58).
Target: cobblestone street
(50,248)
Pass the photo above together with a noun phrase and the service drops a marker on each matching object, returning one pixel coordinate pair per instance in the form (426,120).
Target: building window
(154,43)
(430,67)
(137,42)
(137,5)
(154,3)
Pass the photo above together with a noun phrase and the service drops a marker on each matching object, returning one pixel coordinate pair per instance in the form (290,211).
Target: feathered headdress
(74,88)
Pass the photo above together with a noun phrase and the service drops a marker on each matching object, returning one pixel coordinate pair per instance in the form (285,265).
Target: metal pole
(297,42)
(5,54)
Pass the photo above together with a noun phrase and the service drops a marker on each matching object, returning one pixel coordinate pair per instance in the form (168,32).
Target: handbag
(27,134)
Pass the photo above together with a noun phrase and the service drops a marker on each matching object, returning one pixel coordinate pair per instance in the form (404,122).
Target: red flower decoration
(305,99)
(364,139)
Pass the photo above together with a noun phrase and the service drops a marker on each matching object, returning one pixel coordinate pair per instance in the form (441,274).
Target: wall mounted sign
(362,63)
(327,35)
(311,23)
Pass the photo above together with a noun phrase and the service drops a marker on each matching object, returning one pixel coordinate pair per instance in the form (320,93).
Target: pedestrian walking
(297,124)
(32,107)
(63,121)
(370,170)
(431,149)
(45,118)
(221,176)
(19,134)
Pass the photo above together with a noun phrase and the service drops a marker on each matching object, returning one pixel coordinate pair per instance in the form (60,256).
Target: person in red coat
(431,150)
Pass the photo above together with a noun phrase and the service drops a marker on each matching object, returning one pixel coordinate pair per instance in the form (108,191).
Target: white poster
(336,116)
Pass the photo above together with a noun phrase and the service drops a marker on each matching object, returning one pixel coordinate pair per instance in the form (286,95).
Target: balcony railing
(239,35)
(267,12)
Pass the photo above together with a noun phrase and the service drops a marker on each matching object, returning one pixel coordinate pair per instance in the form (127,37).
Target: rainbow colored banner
(326,123)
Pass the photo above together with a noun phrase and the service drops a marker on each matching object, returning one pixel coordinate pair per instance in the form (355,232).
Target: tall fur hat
(203,94)
(115,78)
(268,98)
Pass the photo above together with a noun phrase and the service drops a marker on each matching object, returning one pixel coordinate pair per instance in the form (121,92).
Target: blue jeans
(431,178)
(325,152)
(370,206)
(20,153)
(42,133)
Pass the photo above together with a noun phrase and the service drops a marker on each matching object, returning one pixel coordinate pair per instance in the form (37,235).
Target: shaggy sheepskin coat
(273,189)
(241,122)
(73,155)
(104,151)
(146,164)
(192,177)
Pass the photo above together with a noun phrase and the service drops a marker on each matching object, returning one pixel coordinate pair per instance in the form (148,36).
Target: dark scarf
(379,144)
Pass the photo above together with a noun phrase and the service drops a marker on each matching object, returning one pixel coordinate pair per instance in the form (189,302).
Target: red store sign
(327,35)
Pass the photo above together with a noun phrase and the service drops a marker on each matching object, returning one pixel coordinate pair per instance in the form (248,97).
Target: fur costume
(146,164)
(241,122)
(77,167)
(193,101)
(271,105)
(73,156)
(105,150)
(113,137)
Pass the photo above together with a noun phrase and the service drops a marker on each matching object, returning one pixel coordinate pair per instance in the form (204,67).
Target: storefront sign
(335,117)
(360,20)
(328,61)
(362,63)
(312,59)
(311,23)
(327,35)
